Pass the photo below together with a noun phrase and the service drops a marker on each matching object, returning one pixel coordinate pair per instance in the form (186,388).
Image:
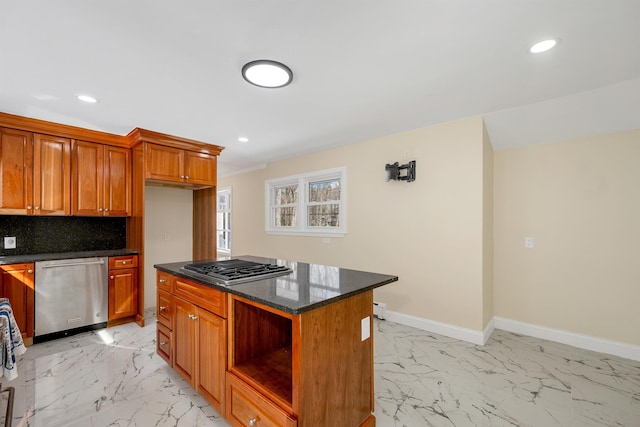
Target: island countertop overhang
(309,286)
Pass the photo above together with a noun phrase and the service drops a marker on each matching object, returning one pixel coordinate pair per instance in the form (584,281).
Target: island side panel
(335,364)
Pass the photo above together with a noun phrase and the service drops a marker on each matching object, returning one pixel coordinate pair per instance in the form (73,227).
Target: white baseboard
(457,332)
(587,342)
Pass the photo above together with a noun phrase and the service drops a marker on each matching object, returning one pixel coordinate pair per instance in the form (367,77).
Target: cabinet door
(16,174)
(16,283)
(117,181)
(123,293)
(184,339)
(200,168)
(212,355)
(51,175)
(164,163)
(87,182)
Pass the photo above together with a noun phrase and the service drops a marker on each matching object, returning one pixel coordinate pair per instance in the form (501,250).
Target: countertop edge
(268,303)
(21,259)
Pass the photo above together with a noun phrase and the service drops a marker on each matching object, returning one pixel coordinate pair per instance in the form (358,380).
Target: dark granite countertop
(309,286)
(19,259)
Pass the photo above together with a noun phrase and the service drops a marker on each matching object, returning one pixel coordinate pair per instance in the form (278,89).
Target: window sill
(307,233)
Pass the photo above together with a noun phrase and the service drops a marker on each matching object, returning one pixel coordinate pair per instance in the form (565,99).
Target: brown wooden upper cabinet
(101,183)
(170,164)
(35,171)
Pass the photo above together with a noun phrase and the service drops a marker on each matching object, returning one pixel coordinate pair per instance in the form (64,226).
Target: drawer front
(164,344)
(164,305)
(202,296)
(247,407)
(129,261)
(164,281)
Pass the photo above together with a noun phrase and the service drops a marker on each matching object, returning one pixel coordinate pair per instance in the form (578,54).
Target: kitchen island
(292,350)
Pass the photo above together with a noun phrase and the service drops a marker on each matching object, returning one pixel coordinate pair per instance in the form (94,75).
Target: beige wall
(431,232)
(580,201)
(166,210)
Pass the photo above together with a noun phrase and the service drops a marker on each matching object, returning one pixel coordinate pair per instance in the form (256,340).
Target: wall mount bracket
(398,172)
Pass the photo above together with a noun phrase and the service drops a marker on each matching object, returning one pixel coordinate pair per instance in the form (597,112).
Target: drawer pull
(253,422)
(163,307)
(29,271)
(193,317)
(111,277)
(124,262)
(163,343)
(162,281)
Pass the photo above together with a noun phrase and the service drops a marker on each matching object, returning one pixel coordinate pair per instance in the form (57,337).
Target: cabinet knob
(186,177)
(124,262)
(111,277)
(29,207)
(253,422)
(163,308)
(182,176)
(163,343)
(162,281)
(193,317)
(37,207)
(29,271)
(106,210)
(100,210)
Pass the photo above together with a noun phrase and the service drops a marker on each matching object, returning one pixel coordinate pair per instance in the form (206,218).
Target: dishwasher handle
(69,264)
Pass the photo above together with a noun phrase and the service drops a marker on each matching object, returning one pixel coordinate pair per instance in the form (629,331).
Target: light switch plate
(9,242)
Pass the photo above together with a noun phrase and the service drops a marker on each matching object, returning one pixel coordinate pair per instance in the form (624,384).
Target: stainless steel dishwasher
(71,296)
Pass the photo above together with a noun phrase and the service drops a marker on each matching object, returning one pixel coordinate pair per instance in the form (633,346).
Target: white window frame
(303,180)
(218,191)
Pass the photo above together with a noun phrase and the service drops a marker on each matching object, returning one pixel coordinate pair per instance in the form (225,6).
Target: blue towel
(11,341)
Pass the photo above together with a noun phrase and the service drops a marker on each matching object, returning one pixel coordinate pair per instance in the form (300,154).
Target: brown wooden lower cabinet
(311,369)
(16,284)
(123,287)
(197,337)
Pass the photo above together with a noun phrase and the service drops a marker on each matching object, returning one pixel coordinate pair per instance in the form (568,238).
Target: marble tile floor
(114,378)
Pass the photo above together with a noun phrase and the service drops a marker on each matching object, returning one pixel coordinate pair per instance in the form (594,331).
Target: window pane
(324,215)
(223,201)
(285,195)
(323,191)
(224,240)
(220,220)
(285,217)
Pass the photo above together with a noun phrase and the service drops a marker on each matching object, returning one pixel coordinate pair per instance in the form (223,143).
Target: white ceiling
(362,69)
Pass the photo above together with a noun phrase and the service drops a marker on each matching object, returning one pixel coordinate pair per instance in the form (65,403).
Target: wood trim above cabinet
(142,135)
(57,129)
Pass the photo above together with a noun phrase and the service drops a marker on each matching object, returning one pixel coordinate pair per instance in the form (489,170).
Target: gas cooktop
(235,271)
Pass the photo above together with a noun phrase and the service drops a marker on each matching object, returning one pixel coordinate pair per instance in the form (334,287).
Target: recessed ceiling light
(243,139)
(543,46)
(87,98)
(267,73)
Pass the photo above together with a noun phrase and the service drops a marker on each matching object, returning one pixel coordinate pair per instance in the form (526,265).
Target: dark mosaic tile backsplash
(50,234)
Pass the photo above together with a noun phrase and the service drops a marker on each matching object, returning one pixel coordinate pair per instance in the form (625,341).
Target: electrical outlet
(528,242)
(9,242)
